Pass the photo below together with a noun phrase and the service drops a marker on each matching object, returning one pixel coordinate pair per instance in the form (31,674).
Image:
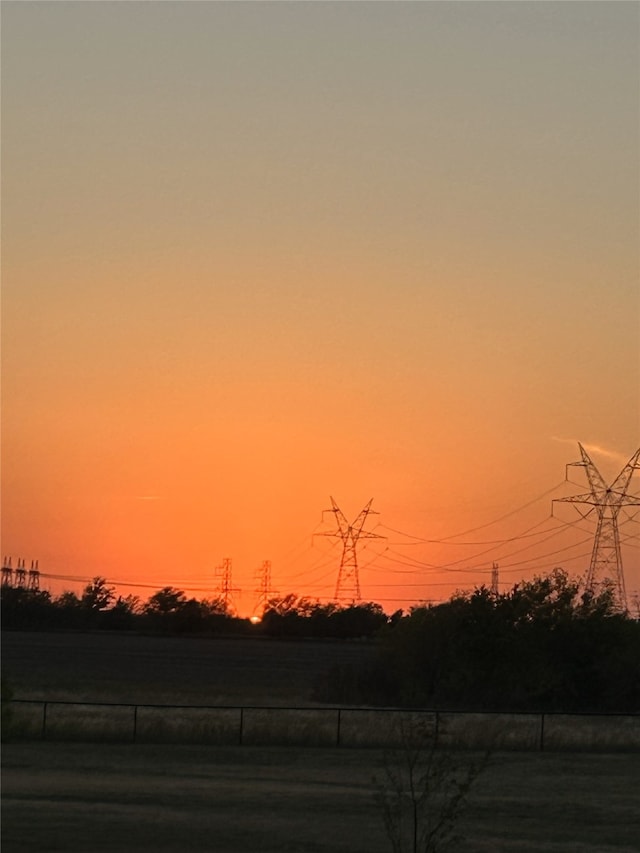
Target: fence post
(44,721)
(542,732)
(135,722)
(241,726)
(338,727)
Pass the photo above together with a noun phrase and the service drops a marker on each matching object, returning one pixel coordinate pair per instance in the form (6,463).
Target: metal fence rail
(318,726)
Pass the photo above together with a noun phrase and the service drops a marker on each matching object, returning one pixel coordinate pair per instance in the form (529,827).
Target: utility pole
(605,568)
(348,583)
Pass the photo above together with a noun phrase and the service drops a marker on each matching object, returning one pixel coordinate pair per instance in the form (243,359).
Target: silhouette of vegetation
(292,616)
(27,609)
(541,646)
(122,616)
(170,611)
(423,790)
(97,595)
(98,608)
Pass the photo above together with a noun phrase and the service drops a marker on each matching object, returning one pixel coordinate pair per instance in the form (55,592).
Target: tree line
(544,645)
(171,611)
(168,610)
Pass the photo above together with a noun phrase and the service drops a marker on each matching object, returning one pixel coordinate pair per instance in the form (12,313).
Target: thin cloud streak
(614,455)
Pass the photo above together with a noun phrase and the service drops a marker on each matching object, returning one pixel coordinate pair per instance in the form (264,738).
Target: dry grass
(170,670)
(105,797)
(326,727)
(243,672)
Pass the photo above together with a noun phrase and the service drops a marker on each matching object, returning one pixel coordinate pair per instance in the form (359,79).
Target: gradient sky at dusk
(258,254)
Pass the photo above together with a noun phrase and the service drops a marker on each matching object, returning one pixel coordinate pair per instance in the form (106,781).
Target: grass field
(141,670)
(86,797)
(78,797)
(170,670)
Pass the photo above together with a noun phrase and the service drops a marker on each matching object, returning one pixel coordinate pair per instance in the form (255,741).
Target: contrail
(594,448)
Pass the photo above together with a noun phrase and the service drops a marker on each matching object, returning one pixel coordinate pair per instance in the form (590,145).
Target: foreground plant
(423,790)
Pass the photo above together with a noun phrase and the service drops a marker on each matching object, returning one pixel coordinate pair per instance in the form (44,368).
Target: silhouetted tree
(70,612)
(26,609)
(540,646)
(97,595)
(123,615)
(423,790)
(292,616)
(170,611)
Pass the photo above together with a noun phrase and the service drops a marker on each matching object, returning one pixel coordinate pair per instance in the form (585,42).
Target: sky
(257,254)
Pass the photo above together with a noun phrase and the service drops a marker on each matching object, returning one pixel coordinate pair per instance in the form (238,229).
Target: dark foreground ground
(99,797)
(84,797)
(115,667)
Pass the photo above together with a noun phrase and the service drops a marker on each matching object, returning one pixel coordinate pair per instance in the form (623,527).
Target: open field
(99,797)
(110,796)
(143,671)
(170,670)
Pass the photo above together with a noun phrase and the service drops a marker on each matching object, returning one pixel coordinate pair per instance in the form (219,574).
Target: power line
(480,526)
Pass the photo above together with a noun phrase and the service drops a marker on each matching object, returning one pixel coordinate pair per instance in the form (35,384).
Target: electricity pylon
(225,588)
(21,574)
(34,576)
(495,579)
(605,568)
(264,591)
(348,583)
(7,572)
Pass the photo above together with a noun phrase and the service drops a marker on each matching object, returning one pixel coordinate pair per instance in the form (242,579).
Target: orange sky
(255,255)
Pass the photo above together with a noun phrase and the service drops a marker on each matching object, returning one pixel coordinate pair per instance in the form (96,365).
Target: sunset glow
(255,255)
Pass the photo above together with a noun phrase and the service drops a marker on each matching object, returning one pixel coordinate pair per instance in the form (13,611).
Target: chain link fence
(317,726)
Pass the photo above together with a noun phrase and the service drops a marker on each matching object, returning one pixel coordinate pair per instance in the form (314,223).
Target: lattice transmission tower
(22,578)
(264,590)
(605,568)
(225,589)
(495,579)
(7,572)
(34,576)
(348,583)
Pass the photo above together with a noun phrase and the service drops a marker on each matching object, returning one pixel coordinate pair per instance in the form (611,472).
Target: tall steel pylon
(34,576)
(495,579)
(225,588)
(264,590)
(348,583)
(605,568)
(21,574)
(7,572)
